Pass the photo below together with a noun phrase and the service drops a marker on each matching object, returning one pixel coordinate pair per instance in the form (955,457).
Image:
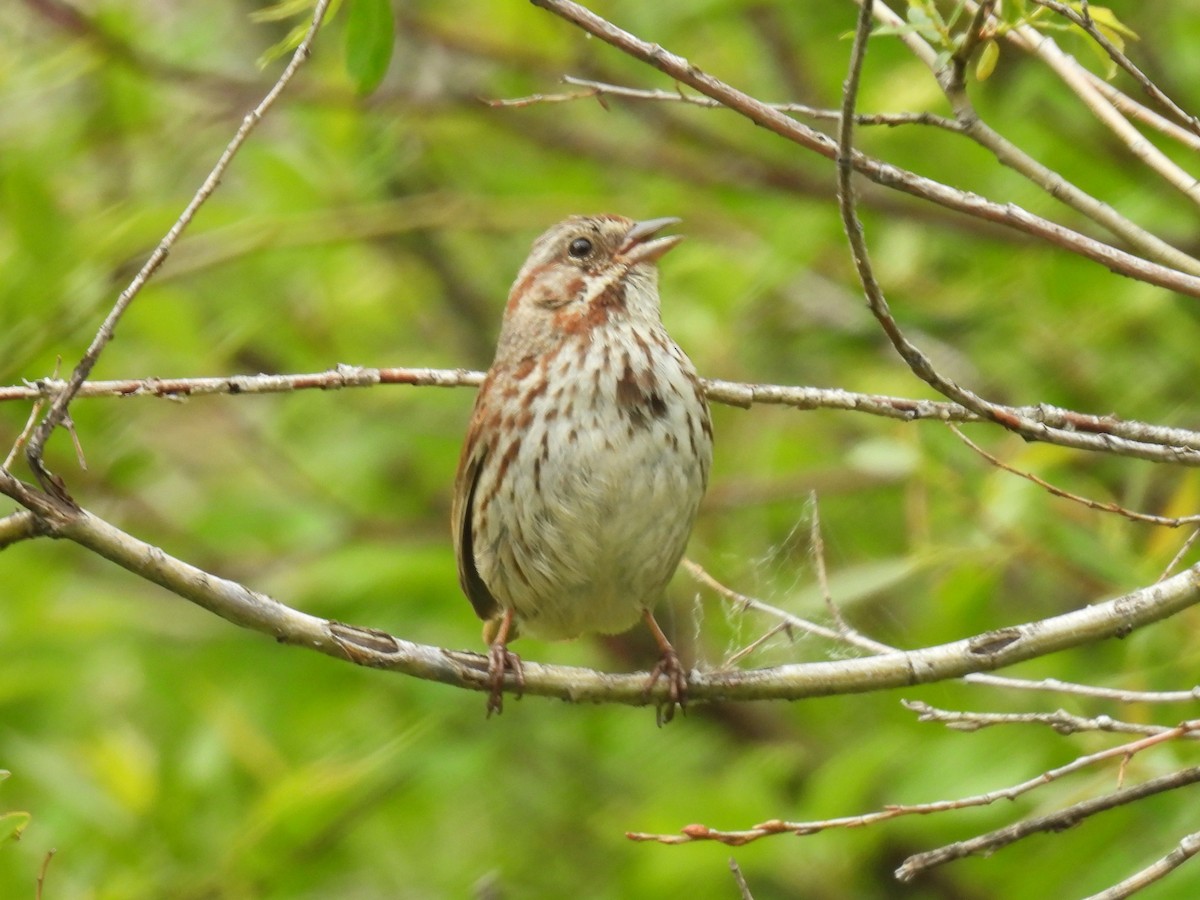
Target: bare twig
(951,80)
(854,638)
(1131,108)
(57,412)
(977,32)
(181,388)
(1167,521)
(1178,557)
(817,550)
(18,526)
(1065,818)
(1188,847)
(41,878)
(1118,436)
(917,361)
(890,176)
(740,880)
(1067,68)
(1114,53)
(24,435)
(1061,721)
(803,829)
(1117,695)
(596,89)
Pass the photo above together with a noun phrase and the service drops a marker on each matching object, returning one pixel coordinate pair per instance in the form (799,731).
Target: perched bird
(587,453)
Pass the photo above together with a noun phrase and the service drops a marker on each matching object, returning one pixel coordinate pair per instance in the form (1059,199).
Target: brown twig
(803,829)
(1058,821)
(1061,721)
(1167,521)
(1117,56)
(1037,43)
(57,413)
(1187,847)
(890,176)
(1122,437)
(595,89)
(740,880)
(41,878)
(1182,552)
(977,32)
(914,357)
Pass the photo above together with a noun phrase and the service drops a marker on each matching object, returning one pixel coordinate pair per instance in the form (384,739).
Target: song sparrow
(587,453)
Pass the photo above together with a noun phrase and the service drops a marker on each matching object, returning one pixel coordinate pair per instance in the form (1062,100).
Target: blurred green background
(165,753)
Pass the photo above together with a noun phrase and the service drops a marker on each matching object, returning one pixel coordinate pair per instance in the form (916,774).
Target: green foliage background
(165,753)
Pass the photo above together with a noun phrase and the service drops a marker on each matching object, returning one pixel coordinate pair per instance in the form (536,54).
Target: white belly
(601,511)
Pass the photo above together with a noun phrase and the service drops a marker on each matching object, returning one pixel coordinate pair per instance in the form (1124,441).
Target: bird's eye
(579,248)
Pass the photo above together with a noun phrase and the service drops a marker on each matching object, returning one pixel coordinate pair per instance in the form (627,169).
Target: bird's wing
(462,514)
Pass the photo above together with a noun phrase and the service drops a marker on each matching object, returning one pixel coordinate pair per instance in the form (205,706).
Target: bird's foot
(669,668)
(501,660)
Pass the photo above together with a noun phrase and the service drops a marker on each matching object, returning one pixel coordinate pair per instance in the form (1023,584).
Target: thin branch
(1167,521)
(599,89)
(917,361)
(744,602)
(816,547)
(1175,445)
(1178,557)
(1061,721)
(893,811)
(57,413)
(1114,53)
(1053,685)
(890,176)
(1067,68)
(24,435)
(951,80)
(977,32)
(42,870)
(1188,847)
(342,376)
(1131,108)
(1058,821)
(740,880)
(850,636)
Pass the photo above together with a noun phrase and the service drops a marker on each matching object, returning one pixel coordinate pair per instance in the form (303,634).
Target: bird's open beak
(637,246)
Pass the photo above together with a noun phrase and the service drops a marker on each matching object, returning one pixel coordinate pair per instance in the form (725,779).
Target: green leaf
(1114,37)
(12,824)
(285,46)
(1106,21)
(277,12)
(987,60)
(287,9)
(369,41)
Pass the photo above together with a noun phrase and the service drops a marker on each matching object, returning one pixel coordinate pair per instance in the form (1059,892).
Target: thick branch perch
(238,604)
